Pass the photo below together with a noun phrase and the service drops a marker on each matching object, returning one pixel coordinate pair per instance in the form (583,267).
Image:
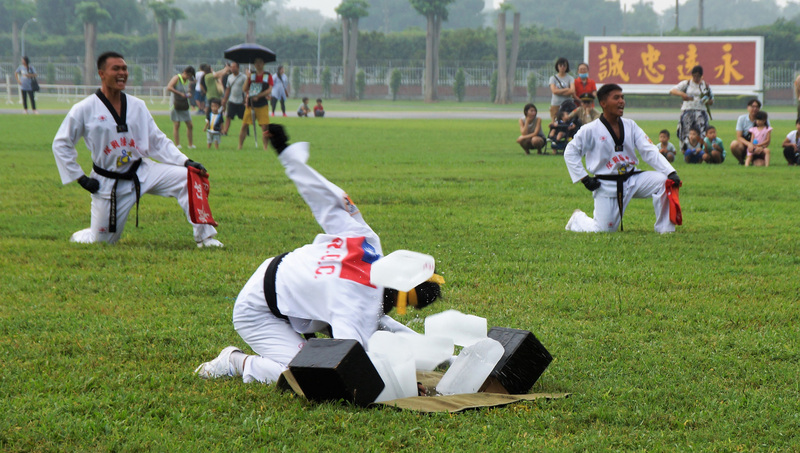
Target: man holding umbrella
(257,87)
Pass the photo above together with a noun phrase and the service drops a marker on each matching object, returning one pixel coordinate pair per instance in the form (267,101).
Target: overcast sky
(326,7)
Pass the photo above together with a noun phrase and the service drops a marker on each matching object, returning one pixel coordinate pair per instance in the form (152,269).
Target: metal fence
(60,74)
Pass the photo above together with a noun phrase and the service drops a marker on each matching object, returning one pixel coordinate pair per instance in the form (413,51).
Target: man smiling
(609,146)
(122,136)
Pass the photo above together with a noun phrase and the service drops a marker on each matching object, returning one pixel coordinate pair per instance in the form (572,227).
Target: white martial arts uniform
(115,152)
(596,143)
(320,285)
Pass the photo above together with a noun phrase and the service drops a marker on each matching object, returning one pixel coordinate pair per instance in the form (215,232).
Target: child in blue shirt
(714,146)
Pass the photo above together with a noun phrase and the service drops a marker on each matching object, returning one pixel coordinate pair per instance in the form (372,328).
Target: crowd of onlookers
(230,93)
(572,106)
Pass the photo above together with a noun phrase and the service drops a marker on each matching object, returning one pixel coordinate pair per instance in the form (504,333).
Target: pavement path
(638,115)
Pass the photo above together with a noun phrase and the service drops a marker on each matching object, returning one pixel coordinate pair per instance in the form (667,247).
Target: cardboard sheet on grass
(448,403)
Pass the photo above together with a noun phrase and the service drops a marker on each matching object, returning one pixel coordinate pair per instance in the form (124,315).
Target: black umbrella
(248,52)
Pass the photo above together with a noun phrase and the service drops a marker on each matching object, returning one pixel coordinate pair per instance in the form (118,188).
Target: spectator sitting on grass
(319,110)
(791,145)
(665,147)
(694,148)
(760,135)
(304,109)
(715,150)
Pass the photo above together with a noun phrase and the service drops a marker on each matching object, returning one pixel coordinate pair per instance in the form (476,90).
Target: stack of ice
(397,356)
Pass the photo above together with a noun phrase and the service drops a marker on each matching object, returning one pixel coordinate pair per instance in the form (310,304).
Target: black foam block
(329,369)
(524,360)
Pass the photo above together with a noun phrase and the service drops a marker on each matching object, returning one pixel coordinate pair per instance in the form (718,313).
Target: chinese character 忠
(611,65)
(652,70)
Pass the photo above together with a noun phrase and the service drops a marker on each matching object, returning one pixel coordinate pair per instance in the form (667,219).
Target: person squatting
(320,287)
(609,146)
(122,136)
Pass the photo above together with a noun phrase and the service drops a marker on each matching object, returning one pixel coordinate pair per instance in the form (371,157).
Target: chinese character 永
(726,69)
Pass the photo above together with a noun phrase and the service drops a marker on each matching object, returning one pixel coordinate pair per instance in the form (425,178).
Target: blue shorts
(199,96)
(694,156)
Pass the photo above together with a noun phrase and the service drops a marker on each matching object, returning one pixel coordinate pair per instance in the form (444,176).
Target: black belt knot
(620,179)
(129,175)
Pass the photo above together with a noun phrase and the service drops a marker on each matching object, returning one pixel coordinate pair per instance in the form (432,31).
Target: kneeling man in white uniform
(609,146)
(122,137)
(324,286)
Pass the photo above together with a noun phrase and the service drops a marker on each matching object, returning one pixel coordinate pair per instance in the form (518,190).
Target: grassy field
(677,342)
(672,107)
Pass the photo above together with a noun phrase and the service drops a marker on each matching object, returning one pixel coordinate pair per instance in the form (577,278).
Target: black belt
(129,175)
(269,286)
(620,179)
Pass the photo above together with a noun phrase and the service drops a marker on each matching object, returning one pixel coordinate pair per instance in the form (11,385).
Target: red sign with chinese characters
(730,64)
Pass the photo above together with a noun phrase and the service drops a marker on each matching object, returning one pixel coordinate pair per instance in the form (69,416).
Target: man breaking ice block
(320,287)
(609,146)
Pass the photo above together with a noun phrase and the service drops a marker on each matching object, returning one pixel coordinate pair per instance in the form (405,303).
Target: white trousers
(272,338)
(606,209)
(156,179)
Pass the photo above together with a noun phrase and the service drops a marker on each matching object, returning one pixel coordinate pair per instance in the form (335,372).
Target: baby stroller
(561,133)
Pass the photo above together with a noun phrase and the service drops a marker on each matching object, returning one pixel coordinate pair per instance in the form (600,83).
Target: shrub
(361,84)
(531,86)
(493,86)
(296,83)
(326,82)
(394,83)
(459,85)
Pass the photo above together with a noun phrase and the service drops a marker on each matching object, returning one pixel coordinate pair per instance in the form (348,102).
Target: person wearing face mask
(584,85)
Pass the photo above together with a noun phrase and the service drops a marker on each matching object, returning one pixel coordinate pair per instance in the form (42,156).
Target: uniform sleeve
(331,208)
(160,147)
(68,135)
(574,152)
(649,152)
(388,323)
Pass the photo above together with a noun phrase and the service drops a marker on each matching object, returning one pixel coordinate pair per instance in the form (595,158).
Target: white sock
(237,360)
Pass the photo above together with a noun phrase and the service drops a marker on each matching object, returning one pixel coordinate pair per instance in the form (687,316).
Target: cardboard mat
(448,403)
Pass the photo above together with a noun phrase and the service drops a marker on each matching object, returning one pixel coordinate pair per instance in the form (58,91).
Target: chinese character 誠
(726,70)
(689,61)
(611,64)
(652,69)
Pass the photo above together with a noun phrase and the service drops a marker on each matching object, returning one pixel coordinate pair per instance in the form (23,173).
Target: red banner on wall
(651,64)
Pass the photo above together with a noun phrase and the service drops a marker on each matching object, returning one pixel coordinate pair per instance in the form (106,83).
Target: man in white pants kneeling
(320,287)
(609,146)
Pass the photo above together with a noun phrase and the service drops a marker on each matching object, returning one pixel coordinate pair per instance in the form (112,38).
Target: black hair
(560,61)
(695,128)
(604,91)
(761,115)
(101,60)
(189,70)
(798,121)
(528,107)
(710,127)
(319,99)
(305,99)
(217,101)
(26,60)
(697,70)
(754,101)
(665,132)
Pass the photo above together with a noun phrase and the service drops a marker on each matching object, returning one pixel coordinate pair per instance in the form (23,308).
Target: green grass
(677,342)
(672,105)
